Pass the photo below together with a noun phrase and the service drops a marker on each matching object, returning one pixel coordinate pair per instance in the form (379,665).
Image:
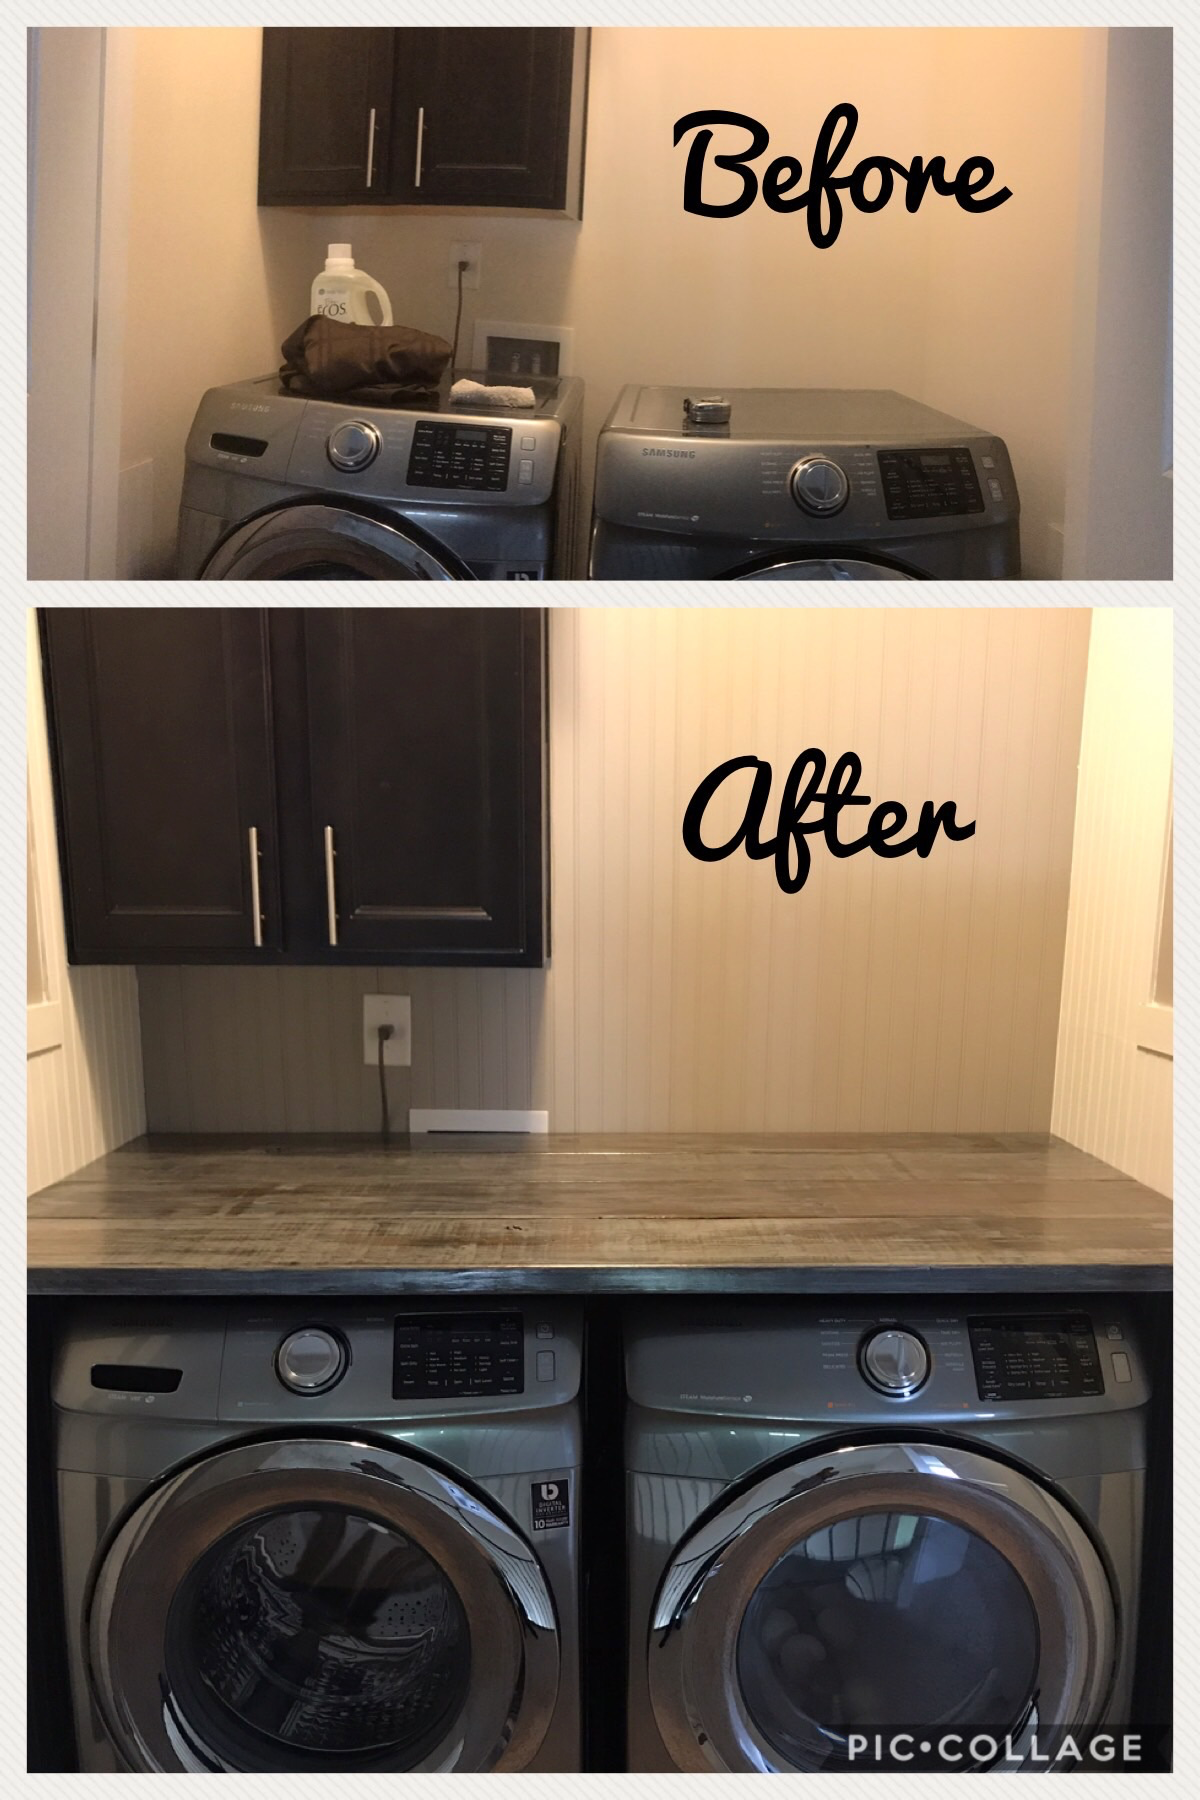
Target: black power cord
(385,1129)
(462,269)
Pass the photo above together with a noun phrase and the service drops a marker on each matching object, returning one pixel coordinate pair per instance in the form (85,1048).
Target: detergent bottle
(340,290)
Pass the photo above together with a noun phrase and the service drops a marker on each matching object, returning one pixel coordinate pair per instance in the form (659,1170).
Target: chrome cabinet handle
(255,899)
(371,148)
(330,887)
(420,144)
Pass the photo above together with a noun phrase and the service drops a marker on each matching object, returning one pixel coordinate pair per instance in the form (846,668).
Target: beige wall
(1112,1096)
(84,1088)
(209,295)
(970,313)
(886,995)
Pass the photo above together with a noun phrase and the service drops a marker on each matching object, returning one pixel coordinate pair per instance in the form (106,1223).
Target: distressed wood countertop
(897,1212)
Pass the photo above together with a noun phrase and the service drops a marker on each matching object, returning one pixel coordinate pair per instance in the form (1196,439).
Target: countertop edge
(954,1278)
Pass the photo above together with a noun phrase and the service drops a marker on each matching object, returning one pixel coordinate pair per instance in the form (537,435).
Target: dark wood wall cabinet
(447,116)
(300,786)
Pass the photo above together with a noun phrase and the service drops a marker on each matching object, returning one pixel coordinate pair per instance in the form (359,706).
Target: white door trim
(79,138)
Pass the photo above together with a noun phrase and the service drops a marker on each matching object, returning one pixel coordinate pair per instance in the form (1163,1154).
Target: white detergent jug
(340,291)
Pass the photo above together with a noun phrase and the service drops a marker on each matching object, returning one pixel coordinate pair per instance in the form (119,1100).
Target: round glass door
(317,1630)
(887,1605)
(289,1605)
(886,1622)
(328,543)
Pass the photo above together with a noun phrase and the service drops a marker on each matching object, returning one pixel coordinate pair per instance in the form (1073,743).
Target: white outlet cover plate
(387,1009)
(468,253)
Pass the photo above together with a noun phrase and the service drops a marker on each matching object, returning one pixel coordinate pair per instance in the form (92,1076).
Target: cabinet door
(325,115)
(161,735)
(482,116)
(425,760)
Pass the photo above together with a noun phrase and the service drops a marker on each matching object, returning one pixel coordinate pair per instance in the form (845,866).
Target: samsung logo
(649,452)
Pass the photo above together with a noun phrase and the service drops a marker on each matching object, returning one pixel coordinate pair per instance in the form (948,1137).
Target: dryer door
(927,1595)
(321,1604)
(329,543)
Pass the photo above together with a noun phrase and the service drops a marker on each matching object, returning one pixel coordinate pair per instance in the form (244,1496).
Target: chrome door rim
(700,1603)
(826,568)
(259,549)
(497,1577)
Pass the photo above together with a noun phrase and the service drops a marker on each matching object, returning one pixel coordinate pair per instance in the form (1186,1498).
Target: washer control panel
(1035,1358)
(458,1353)
(447,455)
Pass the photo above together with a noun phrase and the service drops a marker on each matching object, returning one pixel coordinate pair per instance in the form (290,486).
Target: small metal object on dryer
(714,409)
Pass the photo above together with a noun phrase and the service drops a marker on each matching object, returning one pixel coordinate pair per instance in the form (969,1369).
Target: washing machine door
(329,543)
(826,568)
(927,1596)
(322,1605)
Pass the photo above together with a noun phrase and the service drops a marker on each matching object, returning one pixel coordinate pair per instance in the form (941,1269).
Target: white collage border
(1182,594)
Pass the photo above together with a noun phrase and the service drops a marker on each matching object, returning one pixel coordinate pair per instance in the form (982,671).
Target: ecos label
(551,1504)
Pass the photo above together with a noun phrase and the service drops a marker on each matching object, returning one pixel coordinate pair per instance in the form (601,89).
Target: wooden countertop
(899,1212)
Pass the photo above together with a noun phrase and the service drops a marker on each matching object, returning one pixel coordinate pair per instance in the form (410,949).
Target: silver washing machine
(799,484)
(278,487)
(337,1537)
(881,1539)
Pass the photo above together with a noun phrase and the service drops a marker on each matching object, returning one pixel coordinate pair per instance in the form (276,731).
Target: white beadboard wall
(83,1095)
(889,995)
(1112,1097)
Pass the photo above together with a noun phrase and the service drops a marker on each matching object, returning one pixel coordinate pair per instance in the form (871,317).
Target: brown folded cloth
(380,364)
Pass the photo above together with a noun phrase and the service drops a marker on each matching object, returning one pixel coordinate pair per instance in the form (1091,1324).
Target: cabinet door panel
(425,752)
(319,87)
(160,727)
(491,108)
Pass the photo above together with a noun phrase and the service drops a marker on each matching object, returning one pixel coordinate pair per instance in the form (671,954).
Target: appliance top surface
(790,415)
(553,396)
(1037,1359)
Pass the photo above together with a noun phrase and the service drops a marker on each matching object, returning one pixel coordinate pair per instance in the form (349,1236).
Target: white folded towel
(475,393)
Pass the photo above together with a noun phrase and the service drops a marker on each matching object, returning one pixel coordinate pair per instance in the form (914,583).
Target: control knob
(353,446)
(894,1361)
(820,486)
(312,1360)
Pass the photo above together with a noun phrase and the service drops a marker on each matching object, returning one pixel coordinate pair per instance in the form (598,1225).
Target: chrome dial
(311,1360)
(353,446)
(819,485)
(894,1361)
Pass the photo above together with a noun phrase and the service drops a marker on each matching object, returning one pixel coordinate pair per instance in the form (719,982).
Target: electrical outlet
(387,1009)
(472,255)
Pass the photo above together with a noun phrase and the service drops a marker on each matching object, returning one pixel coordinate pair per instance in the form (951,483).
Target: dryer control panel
(1035,1358)
(930,483)
(877,1364)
